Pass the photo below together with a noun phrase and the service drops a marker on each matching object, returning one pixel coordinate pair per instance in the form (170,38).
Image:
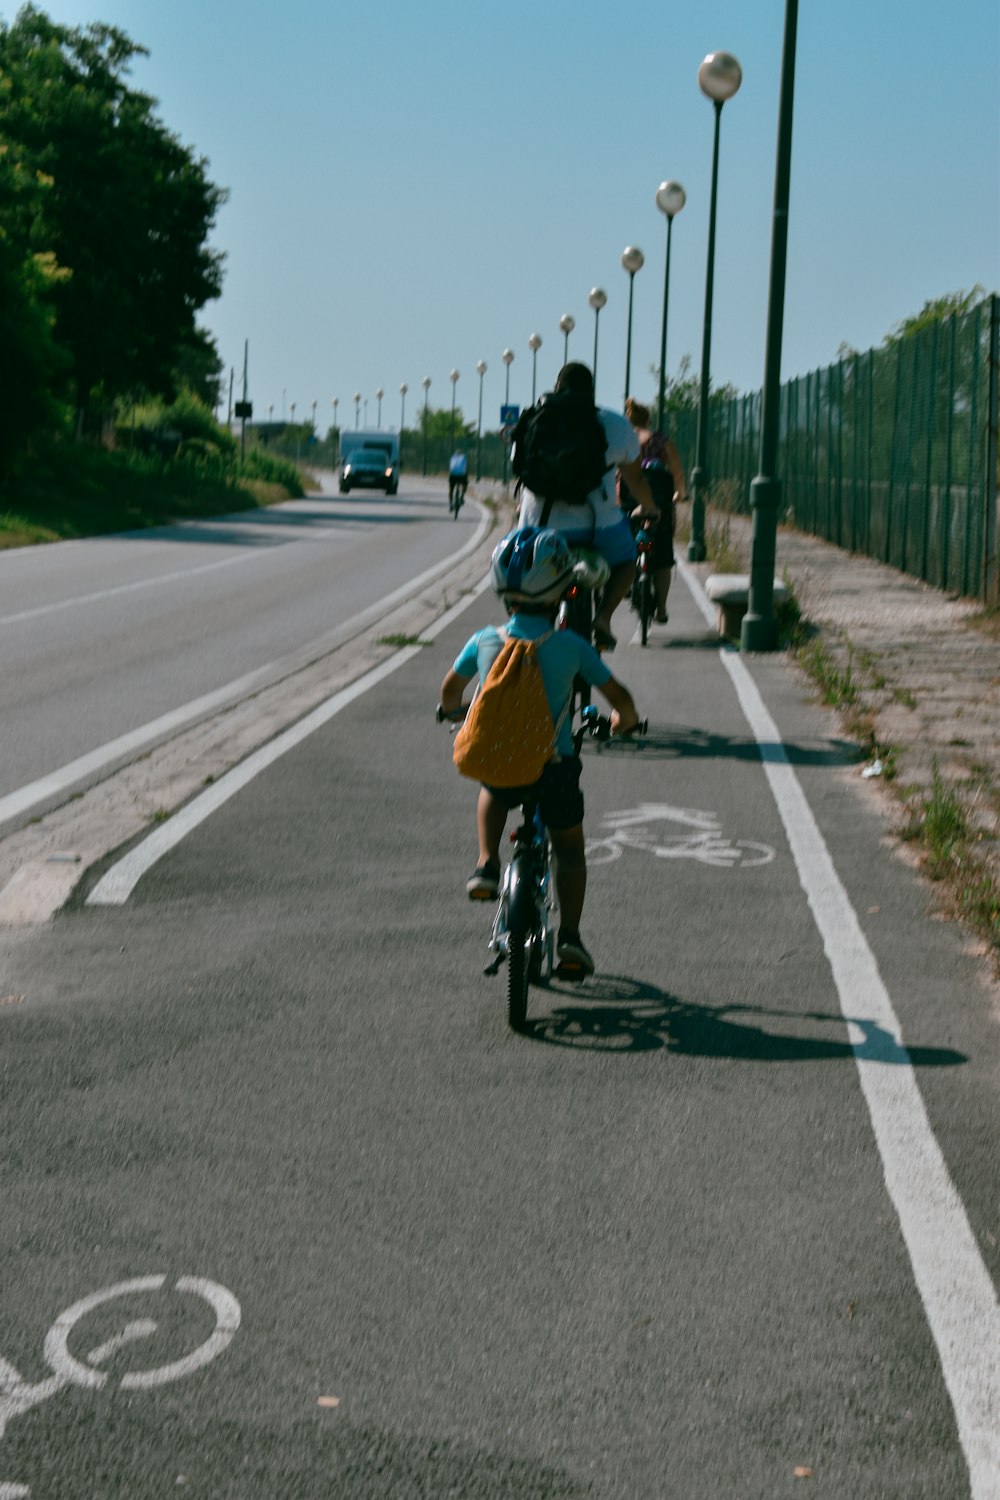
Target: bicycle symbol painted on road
(17,1397)
(653,828)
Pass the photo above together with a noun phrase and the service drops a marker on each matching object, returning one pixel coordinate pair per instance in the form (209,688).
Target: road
(723,1223)
(101,638)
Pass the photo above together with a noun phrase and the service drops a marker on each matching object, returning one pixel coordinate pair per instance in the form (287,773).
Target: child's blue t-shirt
(562,657)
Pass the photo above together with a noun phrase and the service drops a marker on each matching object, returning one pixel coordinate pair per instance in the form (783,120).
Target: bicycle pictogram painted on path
(674,833)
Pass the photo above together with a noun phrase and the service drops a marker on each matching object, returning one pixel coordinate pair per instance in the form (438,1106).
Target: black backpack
(559,448)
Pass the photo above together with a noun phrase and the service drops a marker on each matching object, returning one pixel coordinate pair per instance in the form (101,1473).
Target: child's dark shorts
(560,800)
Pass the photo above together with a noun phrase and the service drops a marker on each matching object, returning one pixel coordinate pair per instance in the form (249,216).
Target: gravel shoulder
(925,667)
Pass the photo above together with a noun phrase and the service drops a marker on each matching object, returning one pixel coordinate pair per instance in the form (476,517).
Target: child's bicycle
(526,923)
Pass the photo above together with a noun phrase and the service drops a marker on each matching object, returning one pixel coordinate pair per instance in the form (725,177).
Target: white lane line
(955,1287)
(130,588)
(115,887)
(60,780)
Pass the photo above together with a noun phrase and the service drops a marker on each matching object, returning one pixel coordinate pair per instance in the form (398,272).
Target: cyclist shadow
(617,1014)
(677,742)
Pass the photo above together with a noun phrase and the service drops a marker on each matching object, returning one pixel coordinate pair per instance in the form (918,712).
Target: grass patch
(838,685)
(905,697)
(402,640)
(951,855)
(78,490)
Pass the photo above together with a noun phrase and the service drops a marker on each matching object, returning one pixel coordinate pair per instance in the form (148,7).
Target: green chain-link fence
(891,453)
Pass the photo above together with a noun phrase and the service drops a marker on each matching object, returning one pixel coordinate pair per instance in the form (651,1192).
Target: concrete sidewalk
(926,667)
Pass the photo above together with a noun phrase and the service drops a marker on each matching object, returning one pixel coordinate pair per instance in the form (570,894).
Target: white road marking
(59,781)
(128,588)
(956,1289)
(117,885)
(632,828)
(17,1396)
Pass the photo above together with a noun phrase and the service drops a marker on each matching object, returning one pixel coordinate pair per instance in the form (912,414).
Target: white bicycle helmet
(532,566)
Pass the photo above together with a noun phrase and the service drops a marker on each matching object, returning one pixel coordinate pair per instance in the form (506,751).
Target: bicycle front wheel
(519,947)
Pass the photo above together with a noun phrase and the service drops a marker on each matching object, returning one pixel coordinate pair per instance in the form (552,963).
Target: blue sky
(415,187)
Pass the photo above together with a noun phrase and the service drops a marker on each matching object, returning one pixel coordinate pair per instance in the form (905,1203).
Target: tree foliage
(118,208)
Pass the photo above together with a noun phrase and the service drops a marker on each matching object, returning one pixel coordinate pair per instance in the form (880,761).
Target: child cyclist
(532,569)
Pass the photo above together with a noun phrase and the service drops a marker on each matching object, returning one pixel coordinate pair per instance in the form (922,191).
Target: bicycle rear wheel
(646,603)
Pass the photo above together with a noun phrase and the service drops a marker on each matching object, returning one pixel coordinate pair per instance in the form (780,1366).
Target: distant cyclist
(458,479)
(664,472)
(599,523)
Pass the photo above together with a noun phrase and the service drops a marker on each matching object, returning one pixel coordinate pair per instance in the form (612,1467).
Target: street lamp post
(719,77)
(632,260)
(567,323)
(335,402)
(314,403)
(670,199)
(597,299)
(426,383)
(379,393)
(453,377)
(759,631)
(534,344)
(480,371)
(508,359)
(402,410)
(357,409)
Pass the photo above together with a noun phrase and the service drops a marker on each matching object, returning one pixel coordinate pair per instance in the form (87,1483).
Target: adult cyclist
(458,479)
(605,529)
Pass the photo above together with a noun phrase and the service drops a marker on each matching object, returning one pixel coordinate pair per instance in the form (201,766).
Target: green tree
(129,211)
(935,310)
(437,425)
(33,369)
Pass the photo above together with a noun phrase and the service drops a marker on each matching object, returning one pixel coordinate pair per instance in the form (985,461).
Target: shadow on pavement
(614,1013)
(664,742)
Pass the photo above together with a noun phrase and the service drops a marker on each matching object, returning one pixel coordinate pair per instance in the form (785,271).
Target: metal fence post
(991,539)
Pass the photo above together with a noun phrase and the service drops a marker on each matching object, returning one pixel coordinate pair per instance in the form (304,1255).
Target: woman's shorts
(560,800)
(615,543)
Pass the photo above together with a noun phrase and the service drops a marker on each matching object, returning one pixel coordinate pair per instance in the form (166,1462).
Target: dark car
(370,468)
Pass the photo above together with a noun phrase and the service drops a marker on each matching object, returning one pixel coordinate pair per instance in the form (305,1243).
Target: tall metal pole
(662,396)
(534,344)
(481,371)
(507,357)
(597,299)
(632,260)
(719,78)
(758,631)
(426,383)
(243,419)
(699,474)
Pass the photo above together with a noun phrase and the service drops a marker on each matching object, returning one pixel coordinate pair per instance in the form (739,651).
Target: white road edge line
(115,887)
(955,1287)
(59,781)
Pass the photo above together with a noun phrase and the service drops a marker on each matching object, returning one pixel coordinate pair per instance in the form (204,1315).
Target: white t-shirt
(623,447)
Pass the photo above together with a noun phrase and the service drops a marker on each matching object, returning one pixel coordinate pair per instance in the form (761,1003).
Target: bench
(731,592)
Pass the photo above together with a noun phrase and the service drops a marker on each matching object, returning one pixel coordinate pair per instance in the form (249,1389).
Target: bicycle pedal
(575,973)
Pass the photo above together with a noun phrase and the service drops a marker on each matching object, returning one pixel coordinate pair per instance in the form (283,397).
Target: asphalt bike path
(657,1246)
